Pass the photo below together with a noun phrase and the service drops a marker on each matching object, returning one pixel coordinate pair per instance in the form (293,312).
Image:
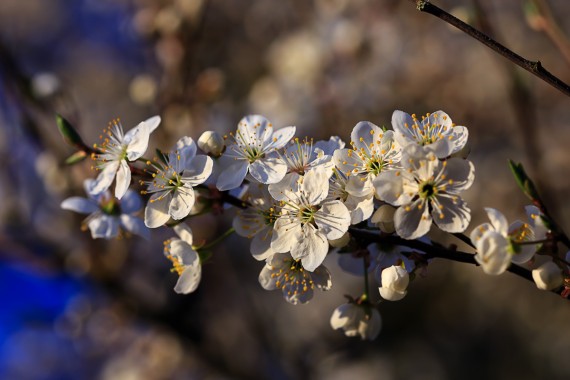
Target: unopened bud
(383,218)
(548,276)
(395,280)
(212,143)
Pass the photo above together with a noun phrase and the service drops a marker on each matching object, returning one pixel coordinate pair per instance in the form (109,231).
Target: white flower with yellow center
(185,260)
(357,320)
(257,220)
(297,284)
(306,221)
(116,149)
(254,152)
(427,190)
(108,216)
(302,157)
(373,151)
(435,130)
(497,242)
(172,183)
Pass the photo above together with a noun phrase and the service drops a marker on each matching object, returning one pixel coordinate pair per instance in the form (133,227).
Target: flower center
(427,190)
(269,216)
(110,206)
(375,166)
(308,214)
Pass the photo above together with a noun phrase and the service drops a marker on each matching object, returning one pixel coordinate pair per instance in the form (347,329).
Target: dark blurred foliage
(74,308)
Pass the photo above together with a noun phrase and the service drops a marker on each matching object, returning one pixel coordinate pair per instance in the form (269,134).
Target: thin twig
(534,67)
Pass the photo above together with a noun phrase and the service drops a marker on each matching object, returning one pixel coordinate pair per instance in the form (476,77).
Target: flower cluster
(297,198)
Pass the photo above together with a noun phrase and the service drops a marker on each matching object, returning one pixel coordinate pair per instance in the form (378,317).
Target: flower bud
(548,276)
(340,242)
(395,280)
(383,218)
(212,143)
(357,320)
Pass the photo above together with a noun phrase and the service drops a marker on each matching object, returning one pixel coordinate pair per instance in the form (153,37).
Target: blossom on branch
(116,149)
(427,190)
(254,152)
(172,183)
(434,130)
(395,280)
(306,221)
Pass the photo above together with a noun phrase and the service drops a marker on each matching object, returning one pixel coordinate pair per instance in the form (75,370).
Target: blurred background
(77,308)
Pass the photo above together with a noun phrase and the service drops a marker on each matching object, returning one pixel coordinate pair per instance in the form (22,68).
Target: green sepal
(68,132)
(76,157)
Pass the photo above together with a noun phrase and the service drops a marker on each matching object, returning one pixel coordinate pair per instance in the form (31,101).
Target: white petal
(333,219)
(402,123)
(261,246)
(315,186)
(346,161)
(137,141)
(392,294)
(442,148)
(286,233)
(123,179)
(197,170)
(80,205)
(232,176)
(105,226)
(492,253)
(281,137)
(362,137)
(322,278)
(105,178)
(190,278)
(461,173)
(360,186)
(390,187)
(284,189)
(460,135)
(360,208)
(135,225)
(182,202)
(156,211)
(186,148)
(268,170)
(266,281)
(455,215)
(498,221)
(312,248)
(184,232)
(414,223)
(131,202)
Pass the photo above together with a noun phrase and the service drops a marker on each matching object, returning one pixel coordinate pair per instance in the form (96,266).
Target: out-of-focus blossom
(357,320)
(185,260)
(285,273)
(383,218)
(548,276)
(108,215)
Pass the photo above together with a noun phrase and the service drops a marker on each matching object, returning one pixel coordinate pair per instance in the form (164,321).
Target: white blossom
(256,221)
(185,260)
(373,151)
(254,152)
(297,284)
(395,280)
(172,183)
(302,157)
(548,276)
(435,130)
(357,320)
(211,143)
(427,190)
(107,214)
(306,221)
(116,149)
(360,207)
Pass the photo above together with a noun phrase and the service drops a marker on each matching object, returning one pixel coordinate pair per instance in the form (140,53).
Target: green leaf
(524,182)
(76,157)
(69,133)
